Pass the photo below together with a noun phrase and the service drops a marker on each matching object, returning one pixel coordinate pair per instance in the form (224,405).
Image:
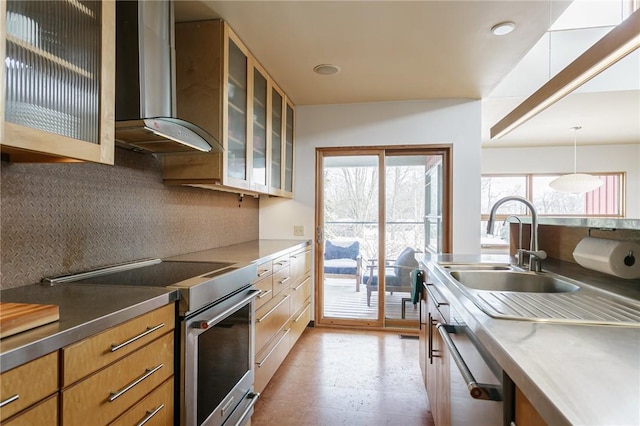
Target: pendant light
(575,183)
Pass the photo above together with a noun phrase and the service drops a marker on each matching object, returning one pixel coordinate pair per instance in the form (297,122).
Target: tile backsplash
(66,218)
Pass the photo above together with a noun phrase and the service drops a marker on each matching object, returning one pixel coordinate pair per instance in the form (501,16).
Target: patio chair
(342,257)
(397,273)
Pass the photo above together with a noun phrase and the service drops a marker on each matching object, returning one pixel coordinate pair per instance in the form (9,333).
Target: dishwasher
(466,386)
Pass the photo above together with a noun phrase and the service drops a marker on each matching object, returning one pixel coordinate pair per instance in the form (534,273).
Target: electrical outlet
(298,231)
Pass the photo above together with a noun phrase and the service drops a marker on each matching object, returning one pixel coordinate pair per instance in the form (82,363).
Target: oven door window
(223,360)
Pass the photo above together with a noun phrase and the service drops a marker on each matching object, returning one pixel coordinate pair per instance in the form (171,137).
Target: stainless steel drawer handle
(254,398)
(148,372)
(150,414)
(476,390)
(116,346)
(282,262)
(262,318)
(9,400)
(301,284)
(302,313)
(264,294)
(263,273)
(431,289)
(261,363)
(285,280)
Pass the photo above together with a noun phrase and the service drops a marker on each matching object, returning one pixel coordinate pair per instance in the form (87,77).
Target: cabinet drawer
(280,262)
(124,383)
(299,323)
(43,414)
(300,263)
(266,291)
(270,318)
(31,382)
(300,293)
(281,280)
(264,269)
(154,410)
(269,359)
(95,352)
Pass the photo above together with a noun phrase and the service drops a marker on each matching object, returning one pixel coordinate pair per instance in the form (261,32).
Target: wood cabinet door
(438,364)
(526,414)
(288,149)
(105,395)
(276,141)
(42,414)
(60,106)
(235,111)
(27,384)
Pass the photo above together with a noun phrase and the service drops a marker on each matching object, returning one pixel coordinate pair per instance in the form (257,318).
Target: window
(606,201)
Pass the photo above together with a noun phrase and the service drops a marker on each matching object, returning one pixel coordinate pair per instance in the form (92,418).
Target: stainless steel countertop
(84,311)
(587,222)
(251,251)
(89,309)
(572,374)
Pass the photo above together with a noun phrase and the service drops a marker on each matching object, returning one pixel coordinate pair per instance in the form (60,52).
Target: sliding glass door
(379,210)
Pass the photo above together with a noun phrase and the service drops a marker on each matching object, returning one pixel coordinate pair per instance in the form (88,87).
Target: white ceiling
(408,50)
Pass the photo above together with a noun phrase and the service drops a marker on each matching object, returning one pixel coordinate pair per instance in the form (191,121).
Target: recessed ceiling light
(326,69)
(503,28)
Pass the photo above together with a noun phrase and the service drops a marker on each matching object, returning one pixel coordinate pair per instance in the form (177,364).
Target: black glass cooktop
(156,275)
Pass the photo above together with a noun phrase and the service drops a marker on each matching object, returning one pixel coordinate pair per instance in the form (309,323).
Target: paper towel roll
(618,258)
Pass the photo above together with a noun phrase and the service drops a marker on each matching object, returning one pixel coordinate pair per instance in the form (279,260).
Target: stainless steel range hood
(145,83)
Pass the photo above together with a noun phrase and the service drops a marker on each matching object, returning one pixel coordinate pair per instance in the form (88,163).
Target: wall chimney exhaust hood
(145,83)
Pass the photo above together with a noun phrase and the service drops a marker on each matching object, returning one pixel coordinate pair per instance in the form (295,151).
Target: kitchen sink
(499,280)
(505,291)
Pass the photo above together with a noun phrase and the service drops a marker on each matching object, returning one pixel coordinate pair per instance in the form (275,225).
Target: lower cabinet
(24,389)
(120,373)
(104,396)
(121,376)
(44,413)
(155,409)
(526,414)
(437,368)
(284,310)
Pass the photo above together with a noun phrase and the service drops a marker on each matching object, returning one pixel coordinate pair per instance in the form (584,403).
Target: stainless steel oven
(218,356)
(216,332)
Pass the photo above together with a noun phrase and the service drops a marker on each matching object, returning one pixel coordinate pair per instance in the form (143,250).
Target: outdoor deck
(342,301)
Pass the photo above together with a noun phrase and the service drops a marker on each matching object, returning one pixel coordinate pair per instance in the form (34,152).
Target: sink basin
(526,282)
(476,266)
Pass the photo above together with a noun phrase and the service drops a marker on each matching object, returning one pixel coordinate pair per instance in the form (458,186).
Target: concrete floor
(349,378)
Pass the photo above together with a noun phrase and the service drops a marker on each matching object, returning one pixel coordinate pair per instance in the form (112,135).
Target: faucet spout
(536,255)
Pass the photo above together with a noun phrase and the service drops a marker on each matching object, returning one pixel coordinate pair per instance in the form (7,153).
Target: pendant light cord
(575,148)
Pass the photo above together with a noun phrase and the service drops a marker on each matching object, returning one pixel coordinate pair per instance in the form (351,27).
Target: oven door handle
(476,390)
(203,325)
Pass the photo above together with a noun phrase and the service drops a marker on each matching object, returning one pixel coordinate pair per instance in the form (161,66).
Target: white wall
(450,121)
(590,159)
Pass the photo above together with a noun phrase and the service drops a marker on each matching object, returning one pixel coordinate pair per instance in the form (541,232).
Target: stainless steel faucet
(535,254)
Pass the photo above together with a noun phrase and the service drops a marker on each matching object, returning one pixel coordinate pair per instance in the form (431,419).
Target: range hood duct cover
(145,83)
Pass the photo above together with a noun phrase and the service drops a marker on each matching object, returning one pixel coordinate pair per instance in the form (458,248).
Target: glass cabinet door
(55,77)
(288,164)
(276,139)
(259,176)
(237,113)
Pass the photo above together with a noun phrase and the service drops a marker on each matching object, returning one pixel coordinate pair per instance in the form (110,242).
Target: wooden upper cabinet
(221,87)
(259,129)
(58,100)
(277,140)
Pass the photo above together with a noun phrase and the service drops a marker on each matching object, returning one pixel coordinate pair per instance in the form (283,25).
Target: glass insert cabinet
(58,70)
(222,87)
